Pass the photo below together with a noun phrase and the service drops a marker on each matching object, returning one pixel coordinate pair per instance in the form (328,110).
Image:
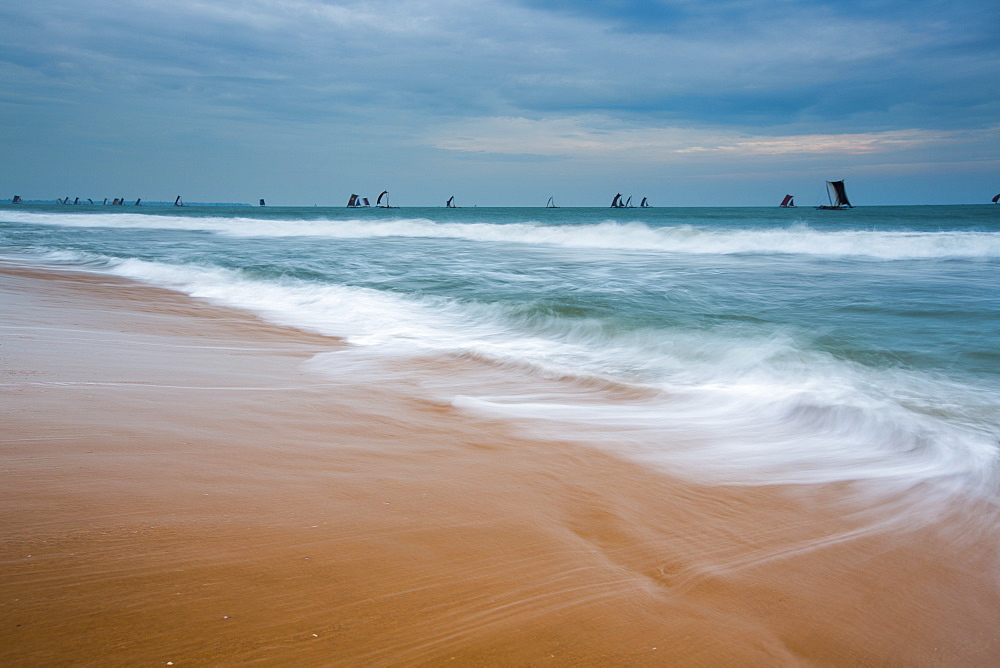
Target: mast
(628,203)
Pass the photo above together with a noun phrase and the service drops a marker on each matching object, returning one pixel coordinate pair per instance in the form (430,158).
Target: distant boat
(788,202)
(17,199)
(551,204)
(996,200)
(378,202)
(178,202)
(838,197)
(449,204)
(262,203)
(616,203)
(644,204)
(628,203)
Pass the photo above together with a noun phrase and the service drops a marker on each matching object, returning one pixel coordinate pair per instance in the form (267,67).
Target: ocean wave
(794,239)
(726,405)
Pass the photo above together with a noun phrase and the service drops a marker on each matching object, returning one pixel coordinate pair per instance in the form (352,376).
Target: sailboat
(378,202)
(353,201)
(996,200)
(551,204)
(616,203)
(788,202)
(644,204)
(449,204)
(838,197)
(178,202)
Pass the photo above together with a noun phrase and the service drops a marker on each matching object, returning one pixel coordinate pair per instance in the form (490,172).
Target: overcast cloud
(501,102)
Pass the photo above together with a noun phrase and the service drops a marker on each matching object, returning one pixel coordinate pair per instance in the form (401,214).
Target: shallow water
(742,346)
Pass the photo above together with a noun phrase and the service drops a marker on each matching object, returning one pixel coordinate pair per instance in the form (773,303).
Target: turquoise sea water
(731,345)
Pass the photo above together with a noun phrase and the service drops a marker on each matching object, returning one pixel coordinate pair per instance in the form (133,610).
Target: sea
(728,346)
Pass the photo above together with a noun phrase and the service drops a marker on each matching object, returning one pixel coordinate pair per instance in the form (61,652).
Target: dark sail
(840,194)
(353,201)
(615,202)
(644,204)
(996,199)
(787,202)
(378,202)
(262,202)
(451,202)
(178,202)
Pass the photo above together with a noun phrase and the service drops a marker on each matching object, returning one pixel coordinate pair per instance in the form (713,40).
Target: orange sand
(174,487)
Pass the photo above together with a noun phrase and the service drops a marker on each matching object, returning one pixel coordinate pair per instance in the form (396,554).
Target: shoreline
(177,486)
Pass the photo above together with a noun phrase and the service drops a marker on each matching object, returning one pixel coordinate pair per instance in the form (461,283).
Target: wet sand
(176,487)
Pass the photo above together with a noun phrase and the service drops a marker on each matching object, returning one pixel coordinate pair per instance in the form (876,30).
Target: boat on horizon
(177,202)
(551,204)
(378,201)
(644,204)
(788,202)
(837,195)
(996,199)
(450,204)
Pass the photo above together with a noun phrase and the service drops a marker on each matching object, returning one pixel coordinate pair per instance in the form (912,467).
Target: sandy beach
(178,487)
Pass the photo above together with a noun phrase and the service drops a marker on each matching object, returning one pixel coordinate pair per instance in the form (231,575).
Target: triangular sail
(644,204)
(451,202)
(551,204)
(353,201)
(384,193)
(787,202)
(615,203)
(996,199)
(178,202)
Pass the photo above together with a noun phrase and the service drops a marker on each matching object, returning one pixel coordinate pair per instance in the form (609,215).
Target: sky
(501,102)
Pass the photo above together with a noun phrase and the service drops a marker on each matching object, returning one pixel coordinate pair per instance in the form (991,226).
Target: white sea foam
(797,238)
(721,407)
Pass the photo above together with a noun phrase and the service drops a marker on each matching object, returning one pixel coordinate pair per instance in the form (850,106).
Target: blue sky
(501,102)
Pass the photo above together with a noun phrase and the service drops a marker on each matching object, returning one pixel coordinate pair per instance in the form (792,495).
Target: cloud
(525,81)
(601,138)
